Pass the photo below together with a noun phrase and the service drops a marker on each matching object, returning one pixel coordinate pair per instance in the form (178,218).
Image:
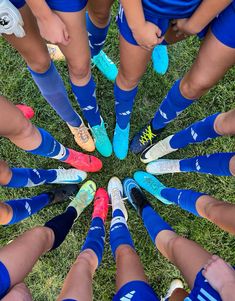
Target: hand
(182,27)
(219,274)
(148,35)
(54,30)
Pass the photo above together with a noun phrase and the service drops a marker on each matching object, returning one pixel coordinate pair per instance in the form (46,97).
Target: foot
(160,59)
(55,52)
(26,110)
(83,137)
(151,184)
(144,138)
(83,162)
(69,176)
(61,194)
(84,197)
(101,204)
(102,142)
(115,191)
(163,166)
(176,283)
(105,65)
(134,195)
(157,150)
(121,141)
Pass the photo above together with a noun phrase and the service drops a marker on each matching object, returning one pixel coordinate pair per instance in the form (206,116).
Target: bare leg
(5,173)
(99,11)
(19,292)
(78,283)
(225,123)
(129,267)
(6,214)
(232,165)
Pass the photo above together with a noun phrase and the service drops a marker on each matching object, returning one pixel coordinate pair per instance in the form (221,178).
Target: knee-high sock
(215,164)
(95,238)
(124,101)
(173,104)
(196,132)
(96,35)
(24,208)
(28,177)
(153,222)
(49,147)
(52,88)
(61,225)
(184,198)
(86,97)
(119,232)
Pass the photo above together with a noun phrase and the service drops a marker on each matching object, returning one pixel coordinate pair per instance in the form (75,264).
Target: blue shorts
(222,27)
(5,281)
(136,291)
(59,5)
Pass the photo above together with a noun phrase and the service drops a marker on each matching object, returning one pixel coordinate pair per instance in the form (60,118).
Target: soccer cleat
(115,191)
(176,283)
(84,197)
(121,141)
(69,176)
(61,194)
(26,110)
(102,142)
(145,137)
(135,195)
(105,65)
(151,184)
(83,137)
(160,59)
(157,150)
(83,162)
(101,204)
(163,166)
(55,52)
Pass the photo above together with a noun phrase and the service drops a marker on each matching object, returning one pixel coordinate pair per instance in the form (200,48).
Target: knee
(126,81)
(5,173)
(87,258)
(124,251)
(24,130)
(79,72)
(100,17)
(223,124)
(173,244)
(212,212)
(19,292)
(39,65)
(232,165)
(44,234)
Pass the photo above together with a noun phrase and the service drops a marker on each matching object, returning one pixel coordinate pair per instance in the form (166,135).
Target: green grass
(47,277)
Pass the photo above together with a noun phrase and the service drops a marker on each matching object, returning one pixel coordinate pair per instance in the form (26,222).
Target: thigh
(31,47)
(133,64)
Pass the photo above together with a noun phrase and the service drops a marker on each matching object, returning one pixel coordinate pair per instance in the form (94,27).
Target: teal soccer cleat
(105,65)
(121,141)
(160,59)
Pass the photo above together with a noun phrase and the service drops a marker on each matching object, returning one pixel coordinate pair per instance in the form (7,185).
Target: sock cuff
(89,86)
(211,124)
(124,95)
(177,98)
(50,69)
(118,220)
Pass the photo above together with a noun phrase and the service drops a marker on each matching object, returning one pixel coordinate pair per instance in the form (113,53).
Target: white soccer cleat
(157,150)
(69,176)
(176,283)
(163,166)
(11,21)
(115,191)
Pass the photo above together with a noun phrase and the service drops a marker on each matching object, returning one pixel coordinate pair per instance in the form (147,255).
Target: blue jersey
(170,9)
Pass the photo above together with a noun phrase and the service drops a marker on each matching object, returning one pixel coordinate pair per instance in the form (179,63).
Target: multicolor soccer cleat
(83,162)
(163,166)
(69,176)
(151,184)
(121,141)
(105,65)
(83,137)
(84,197)
(26,110)
(101,204)
(115,191)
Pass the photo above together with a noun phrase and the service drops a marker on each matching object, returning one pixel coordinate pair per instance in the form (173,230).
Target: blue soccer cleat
(121,141)
(160,59)
(105,65)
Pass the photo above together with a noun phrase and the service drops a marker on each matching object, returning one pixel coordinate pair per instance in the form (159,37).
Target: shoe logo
(194,134)
(125,113)
(88,108)
(128,296)
(92,188)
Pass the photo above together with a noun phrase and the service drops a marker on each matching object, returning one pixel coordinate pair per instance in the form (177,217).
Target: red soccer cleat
(101,204)
(83,162)
(26,110)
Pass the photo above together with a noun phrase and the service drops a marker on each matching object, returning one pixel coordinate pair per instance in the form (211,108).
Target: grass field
(47,277)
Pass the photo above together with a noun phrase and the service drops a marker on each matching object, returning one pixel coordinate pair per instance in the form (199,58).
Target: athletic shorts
(69,300)
(5,281)
(59,5)
(136,291)
(222,26)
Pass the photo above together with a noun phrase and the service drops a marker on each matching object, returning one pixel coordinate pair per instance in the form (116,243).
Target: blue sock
(52,88)
(197,132)
(24,208)
(96,35)
(61,225)
(215,164)
(153,222)
(95,238)
(86,97)
(49,147)
(184,198)
(5,280)
(124,101)
(28,177)
(173,104)
(119,233)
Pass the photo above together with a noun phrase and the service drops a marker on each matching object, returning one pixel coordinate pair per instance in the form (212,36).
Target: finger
(215,257)
(160,40)
(66,38)
(158,32)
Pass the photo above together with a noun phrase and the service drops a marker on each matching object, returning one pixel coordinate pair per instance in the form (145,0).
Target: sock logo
(194,134)
(88,108)
(163,114)
(198,167)
(125,113)
(121,12)
(28,208)
(128,296)
(61,153)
